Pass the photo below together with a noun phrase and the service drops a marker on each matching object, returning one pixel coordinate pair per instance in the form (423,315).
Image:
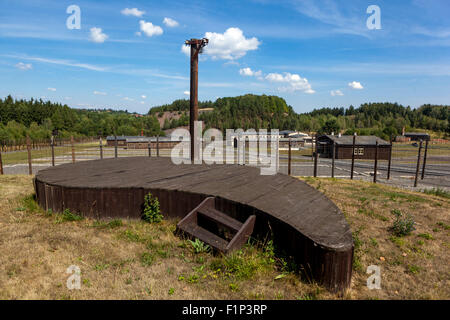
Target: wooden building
(417,136)
(121,141)
(364,147)
(140,142)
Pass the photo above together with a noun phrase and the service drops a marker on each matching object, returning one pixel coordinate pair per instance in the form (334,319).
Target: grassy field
(137,260)
(16,157)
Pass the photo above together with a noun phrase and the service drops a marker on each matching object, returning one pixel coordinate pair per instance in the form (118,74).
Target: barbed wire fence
(295,157)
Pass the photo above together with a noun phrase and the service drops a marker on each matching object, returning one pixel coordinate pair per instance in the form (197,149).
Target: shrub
(151,211)
(438,192)
(403,225)
(147,259)
(199,246)
(67,215)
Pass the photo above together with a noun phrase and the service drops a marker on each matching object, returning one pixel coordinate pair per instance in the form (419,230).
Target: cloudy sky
(314,53)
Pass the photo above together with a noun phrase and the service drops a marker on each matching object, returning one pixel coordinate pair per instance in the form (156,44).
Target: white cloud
(24,66)
(142,102)
(187,93)
(250,73)
(186,50)
(230,45)
(149,29)
(356,85)
(132,12)
(170,22)
(61,62)
(99,93)
(97,35)
(294,82)
(51,89)
(144,97)
(336,93)
(128,99)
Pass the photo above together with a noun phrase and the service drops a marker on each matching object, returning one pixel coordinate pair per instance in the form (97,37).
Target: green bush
(403,225)
(438,192)
(147,259)
(67,215)
(199,246)
(151,211)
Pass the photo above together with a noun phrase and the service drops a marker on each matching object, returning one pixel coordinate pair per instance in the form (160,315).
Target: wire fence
(294,157)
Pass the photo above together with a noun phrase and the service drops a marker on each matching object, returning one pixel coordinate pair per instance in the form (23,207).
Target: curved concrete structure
(304,223)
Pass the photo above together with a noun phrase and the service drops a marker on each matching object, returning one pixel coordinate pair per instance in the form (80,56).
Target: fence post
(334,157)
(115,146)
(424,160)
(390,160)
(277,154)
(52,143)
(157,145)
(353,156)
(73,149)
(418,164)
(315,159)
(101,148)
(376,163)
(289,158)
(149,147)
(30,169)
(1,162)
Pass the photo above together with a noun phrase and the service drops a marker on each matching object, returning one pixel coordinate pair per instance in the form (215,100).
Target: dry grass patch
(413,266)
(122,259)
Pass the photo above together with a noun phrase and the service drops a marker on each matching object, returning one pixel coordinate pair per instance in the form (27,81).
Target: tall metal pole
(193,111)
(196,48)
(390,161)
(375,168)
(424,160)
(353,156)
(418,164)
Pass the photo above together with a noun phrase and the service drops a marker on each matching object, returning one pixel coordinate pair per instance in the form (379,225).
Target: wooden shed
(364,147)
(417,136)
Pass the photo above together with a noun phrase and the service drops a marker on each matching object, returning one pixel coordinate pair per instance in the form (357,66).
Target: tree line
(261,111)
(37,118)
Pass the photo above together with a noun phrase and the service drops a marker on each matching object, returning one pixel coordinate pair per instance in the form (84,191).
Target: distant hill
(261,111)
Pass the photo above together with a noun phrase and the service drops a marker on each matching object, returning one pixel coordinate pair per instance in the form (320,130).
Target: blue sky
(313,53)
